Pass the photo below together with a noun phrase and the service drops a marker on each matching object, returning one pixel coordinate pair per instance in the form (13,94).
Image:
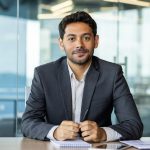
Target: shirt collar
(72,75)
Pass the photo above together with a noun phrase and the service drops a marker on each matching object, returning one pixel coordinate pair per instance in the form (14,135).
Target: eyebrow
(71,35)
(82,34)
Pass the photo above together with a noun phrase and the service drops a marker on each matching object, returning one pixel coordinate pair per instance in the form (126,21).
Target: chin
(81,62)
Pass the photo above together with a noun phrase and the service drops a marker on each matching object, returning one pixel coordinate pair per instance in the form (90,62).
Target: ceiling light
(63,10)
(61,5)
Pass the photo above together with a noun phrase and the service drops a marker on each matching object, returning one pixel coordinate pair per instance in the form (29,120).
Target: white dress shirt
(77,88)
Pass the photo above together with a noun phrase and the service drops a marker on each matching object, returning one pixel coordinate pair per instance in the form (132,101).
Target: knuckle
(88,121)
(95,137)
(86,133)
(71,123)
(96,132)
(94,123)
(82,134)
(63,122)
(88,127)
(72,136)
(62,134)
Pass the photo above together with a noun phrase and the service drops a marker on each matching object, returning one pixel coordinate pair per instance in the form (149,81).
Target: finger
(84,123)
(63,134)
(88,138)
(86,133)
(69,135)
(70,128)
(87,122)
(86,128)
(71,123)
(91,138)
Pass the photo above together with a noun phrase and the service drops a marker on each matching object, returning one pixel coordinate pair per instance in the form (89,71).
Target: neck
(79,70)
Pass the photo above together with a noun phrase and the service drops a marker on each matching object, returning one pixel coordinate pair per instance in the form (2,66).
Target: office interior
(29,38)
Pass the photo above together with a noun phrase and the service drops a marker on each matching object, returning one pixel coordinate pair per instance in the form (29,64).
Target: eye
(86,38)
(71,39)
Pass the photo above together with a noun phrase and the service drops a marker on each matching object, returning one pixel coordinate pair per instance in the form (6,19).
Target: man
(75,95)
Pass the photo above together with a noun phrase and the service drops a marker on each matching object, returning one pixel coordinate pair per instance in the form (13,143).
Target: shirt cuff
(50,134)
(111,134)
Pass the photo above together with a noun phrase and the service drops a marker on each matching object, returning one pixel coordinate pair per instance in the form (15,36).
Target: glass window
(29,37)
(8,68)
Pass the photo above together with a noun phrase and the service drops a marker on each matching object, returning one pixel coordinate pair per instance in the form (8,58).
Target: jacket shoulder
(106,65)
(51,66)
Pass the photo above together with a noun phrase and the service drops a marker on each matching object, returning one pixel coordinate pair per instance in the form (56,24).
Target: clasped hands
(89,130)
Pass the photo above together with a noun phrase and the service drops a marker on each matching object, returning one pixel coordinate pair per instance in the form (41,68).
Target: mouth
(80,54)
(80,51)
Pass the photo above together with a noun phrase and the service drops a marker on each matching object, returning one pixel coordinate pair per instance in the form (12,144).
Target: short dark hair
(79,16)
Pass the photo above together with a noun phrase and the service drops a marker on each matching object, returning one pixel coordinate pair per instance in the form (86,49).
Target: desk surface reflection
(19,143)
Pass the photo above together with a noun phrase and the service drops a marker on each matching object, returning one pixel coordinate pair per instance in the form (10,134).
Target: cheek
(69,47)
(90,46)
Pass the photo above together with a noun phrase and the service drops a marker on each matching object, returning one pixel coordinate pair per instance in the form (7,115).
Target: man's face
(79,43)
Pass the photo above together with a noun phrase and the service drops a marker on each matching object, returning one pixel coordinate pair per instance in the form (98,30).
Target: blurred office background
(29,37)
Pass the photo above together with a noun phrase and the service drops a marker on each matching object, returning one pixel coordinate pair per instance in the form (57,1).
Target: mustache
(80,50)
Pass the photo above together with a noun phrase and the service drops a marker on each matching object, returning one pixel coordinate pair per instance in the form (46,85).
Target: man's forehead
(77,29)
(77,26)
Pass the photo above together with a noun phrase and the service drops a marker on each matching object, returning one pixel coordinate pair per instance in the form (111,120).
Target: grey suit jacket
(50,101)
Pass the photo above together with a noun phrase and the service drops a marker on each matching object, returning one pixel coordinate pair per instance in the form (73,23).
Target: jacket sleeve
(130,125)
(34,124)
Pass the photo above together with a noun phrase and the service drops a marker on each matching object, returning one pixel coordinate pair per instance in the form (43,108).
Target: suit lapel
(90,84)
(65,88)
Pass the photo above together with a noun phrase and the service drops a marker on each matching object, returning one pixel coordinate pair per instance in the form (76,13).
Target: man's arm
(130,125)
(33,122)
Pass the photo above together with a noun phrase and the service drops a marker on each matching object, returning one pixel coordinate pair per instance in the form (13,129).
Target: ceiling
(94,5)
(30,8)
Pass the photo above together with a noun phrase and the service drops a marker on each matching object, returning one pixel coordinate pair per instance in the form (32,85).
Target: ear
(61,45)
(96,41)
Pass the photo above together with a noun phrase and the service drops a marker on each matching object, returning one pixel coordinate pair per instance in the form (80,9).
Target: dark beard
(82,62)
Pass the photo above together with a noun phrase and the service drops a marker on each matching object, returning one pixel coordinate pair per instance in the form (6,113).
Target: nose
(79,43)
